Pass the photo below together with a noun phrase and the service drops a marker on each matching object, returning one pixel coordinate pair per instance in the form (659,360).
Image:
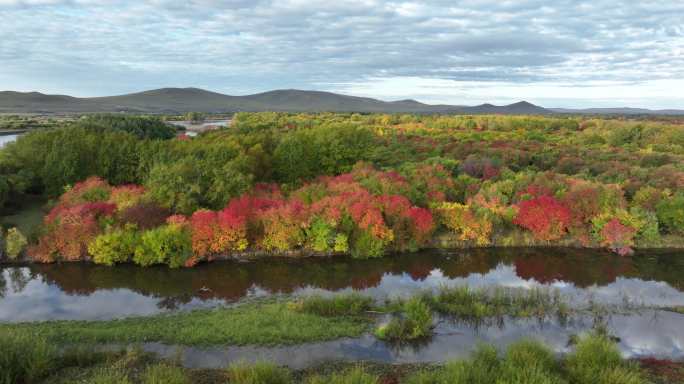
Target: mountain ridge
(180,100)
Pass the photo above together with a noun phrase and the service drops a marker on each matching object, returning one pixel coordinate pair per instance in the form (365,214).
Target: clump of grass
(596,360)
(162,373)
(525,362)
(355,375)
(258,373)
(677,309)
(109,375)
(352,304)
(264,323)
(464,302)
(83,355)
(24,357)
(415,323)
(530,362)
(481,368)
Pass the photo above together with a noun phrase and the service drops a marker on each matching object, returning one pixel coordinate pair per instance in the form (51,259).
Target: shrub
(15,242)
(341,243)
(164,374)
(320,236)
(617,231)
(671,213)
(91,190)
(366,245)
(116,246)
(69,231)
(25,358)
(169,244)
(258,373)
(547,218)
(355,375)
(144,215)
(126,196)
(283,226)
(466,223)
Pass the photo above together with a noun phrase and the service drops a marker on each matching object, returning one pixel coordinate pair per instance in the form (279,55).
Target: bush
(368,246)
(169,244)
(164,374)
(258,373)
(117,246)
(25,358)
(671,213)
(547,218)
(466,223)
(15,242)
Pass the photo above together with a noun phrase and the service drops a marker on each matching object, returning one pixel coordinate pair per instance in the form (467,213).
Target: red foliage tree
(547,218)
(618,237)
(69,230)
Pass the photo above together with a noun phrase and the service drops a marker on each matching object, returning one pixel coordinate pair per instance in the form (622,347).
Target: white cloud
(576,53)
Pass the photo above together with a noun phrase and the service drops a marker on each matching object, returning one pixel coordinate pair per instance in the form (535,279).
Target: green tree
(671,213)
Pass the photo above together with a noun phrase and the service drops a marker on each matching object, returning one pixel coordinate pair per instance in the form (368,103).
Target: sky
(562,53)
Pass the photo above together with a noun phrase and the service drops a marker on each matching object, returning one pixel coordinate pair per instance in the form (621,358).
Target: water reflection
(4,139)
(81,291)
(653,333)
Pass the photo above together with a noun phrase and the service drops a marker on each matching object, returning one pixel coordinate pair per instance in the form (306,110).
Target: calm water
(649,334)
(4,139)
(82,291)
(202,125)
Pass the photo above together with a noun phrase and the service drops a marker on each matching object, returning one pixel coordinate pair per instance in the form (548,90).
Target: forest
(127,188)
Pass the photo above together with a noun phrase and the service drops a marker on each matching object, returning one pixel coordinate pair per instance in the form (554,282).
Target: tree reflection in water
(232,281)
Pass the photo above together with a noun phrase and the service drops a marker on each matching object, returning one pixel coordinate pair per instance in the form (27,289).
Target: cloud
(97,47)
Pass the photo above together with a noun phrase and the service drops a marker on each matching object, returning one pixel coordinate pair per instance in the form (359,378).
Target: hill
(179,100)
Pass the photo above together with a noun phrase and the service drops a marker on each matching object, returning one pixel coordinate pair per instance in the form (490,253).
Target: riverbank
(593,360)
(305,332)
(673,243)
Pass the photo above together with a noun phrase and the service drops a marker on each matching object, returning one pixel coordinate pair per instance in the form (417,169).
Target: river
(4,139)
(649,280)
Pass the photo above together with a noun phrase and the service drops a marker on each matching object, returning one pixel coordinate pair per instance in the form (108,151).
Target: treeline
(363,184)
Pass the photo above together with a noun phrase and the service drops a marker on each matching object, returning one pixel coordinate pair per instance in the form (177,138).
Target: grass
(24,358)
(355,375)
(259,373)
(677,309)
(351,304)
(266,323)
(109,375)
(162,373)
(416,323)
(464,302)
(595,360)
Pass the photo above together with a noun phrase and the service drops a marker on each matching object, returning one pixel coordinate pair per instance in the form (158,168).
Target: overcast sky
(560,53)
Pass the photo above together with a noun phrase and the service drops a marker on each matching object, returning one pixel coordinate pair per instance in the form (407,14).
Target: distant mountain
(179,100)
(619,111)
